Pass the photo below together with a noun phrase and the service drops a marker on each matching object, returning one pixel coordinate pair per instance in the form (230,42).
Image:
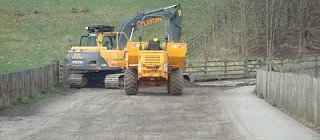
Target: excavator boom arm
(143,19)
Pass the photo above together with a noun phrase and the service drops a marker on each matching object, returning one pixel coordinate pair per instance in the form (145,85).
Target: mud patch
(79,10)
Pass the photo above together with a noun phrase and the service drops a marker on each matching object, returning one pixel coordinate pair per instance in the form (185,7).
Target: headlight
(165,67)
(126,56)
(139,67)
(66,62)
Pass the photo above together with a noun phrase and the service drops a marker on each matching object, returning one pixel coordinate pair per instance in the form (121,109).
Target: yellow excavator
(155,63)
(98,59)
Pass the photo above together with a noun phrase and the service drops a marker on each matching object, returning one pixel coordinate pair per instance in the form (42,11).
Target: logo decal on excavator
(148,22)
(176,46)
(77,56)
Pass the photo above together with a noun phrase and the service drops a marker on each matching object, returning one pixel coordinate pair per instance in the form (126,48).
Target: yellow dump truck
(154,63)
(155,67)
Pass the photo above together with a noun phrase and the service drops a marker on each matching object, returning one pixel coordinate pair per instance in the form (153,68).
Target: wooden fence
(200,39)
(220,69)
(29,82)
(280,62)
(297,93)
(226,68)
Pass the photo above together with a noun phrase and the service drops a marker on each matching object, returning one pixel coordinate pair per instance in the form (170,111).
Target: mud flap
(188,77)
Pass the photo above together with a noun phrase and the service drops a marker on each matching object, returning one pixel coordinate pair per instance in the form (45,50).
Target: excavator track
(77,81)
(115,81)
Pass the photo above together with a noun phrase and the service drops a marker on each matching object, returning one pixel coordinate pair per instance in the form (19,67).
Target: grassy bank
(35,32)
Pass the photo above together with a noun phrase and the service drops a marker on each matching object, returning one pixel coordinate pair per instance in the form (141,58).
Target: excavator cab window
(122,39)
(109,42)
(90,40)
(106,43)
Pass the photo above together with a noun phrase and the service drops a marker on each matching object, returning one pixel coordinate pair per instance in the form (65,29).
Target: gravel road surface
(200,113)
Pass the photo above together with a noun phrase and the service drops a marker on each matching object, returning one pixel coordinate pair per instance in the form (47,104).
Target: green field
(35,32)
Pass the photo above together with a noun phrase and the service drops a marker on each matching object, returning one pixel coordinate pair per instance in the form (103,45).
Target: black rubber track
(131,82)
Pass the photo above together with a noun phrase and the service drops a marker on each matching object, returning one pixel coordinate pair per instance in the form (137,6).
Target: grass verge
(259,94)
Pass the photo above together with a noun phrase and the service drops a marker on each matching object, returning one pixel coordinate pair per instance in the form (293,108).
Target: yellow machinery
(154,63)
(154,67)
(98,59)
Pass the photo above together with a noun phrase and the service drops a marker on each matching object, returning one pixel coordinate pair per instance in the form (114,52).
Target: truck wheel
(175,82)
(131,82)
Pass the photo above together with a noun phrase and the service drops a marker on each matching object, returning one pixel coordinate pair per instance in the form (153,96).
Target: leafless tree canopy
(262,28)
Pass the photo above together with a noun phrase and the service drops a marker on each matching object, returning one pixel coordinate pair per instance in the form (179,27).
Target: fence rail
(225,68)
(220,69)
(29,82)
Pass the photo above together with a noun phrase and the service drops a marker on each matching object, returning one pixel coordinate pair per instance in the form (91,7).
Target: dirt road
(89,113)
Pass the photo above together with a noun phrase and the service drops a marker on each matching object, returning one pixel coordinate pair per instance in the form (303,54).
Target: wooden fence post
(206,56)
(2,101)
(225,67)
(245,67)
(56,72)
(205,65)
(317,69)
(262,62)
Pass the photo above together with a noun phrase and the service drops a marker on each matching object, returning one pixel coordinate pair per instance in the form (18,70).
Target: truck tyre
(131,82)
(175,82)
